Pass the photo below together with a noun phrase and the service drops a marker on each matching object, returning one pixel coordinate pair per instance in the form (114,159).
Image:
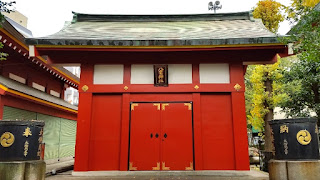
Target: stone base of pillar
(23,170)
(294,170)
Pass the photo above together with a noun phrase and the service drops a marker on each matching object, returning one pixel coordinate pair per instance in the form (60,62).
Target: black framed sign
(160,75)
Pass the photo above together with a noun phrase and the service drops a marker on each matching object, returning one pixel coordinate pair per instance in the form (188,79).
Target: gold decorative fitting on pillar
(126,88)
(133,105)
(189,106)
(196,87)
(131,168)
(164,106)
(158,106)
(164,167)
(156,168)
(85,88)
(304,137)
(190,168)
(237,87)
(7,139)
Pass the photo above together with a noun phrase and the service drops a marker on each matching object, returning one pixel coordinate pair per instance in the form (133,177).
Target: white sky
(48,16)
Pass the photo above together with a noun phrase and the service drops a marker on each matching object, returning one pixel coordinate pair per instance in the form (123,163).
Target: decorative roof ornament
(214,6)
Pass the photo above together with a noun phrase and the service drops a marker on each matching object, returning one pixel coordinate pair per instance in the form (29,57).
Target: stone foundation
(23,170)
(294,170)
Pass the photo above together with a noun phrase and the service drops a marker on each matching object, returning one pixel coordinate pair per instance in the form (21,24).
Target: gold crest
(304,137)
(7,139)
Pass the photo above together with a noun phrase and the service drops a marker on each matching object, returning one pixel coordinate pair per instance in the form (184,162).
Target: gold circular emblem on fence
(7,139)
(304,137)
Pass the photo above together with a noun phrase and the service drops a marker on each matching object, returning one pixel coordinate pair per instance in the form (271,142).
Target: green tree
(299,8)
(302,84)
(304,73)
(264,91)
(4,7)
(263,88)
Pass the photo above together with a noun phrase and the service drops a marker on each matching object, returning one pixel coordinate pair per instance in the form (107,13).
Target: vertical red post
(240,131)
(84,119)
(239,118)
(197,131)
(124,144)
(195,74)
(127,74)
(198,155)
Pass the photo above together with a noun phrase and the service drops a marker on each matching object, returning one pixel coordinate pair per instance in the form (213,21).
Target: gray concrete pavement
(59,167)
(218,175)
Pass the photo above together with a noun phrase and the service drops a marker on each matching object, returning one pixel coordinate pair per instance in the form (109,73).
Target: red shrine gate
(161,136)
(161,92)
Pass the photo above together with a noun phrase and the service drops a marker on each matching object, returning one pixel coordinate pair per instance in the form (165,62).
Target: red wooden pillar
(84,119)
(239,118)
(197,126)
(124,144)
(240,131)
(125,118)
(197,120)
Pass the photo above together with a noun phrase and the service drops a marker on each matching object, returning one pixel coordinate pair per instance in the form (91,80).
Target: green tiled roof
(160,30)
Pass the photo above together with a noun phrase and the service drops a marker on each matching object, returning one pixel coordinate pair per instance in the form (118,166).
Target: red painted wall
(104,151)
(217,132)
(220,138)
(31,72)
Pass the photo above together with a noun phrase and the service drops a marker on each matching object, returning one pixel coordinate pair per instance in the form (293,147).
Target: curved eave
(21,48)
(195,43)
(14,88)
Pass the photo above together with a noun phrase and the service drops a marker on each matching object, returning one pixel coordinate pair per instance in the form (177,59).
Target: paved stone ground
(253,175)
(59,167)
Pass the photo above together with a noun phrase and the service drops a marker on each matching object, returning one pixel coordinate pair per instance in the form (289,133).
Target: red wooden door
(176,136)
(145,136)
(161,136)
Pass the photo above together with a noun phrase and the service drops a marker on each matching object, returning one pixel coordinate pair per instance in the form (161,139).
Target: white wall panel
(180,73)
(142,74)
(214,73)
(54,93)
(38,86)
(108,74)
(17,78)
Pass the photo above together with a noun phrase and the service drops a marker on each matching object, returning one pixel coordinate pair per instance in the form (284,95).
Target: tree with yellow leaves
(299,8)
(269,11)
(263,93)
(261,80)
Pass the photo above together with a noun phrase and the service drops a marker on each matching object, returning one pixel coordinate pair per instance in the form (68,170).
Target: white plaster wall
(180,73)
(17,78)
(108,74)
(214,73)
(38,86)
(142,74)
(54,93)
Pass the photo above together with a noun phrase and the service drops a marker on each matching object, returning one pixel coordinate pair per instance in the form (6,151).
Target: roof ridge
(81,17)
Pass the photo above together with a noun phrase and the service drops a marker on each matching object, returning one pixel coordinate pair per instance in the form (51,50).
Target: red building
(161,92)
(30,88)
